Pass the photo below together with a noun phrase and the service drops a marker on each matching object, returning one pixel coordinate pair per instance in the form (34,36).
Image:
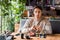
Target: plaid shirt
(45,24)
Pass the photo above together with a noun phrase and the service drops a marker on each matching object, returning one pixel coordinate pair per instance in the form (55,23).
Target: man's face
(37,12)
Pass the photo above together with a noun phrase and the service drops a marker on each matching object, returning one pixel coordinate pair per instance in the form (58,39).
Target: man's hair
(39,7)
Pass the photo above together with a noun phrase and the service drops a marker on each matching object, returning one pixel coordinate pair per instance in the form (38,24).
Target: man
(37,23)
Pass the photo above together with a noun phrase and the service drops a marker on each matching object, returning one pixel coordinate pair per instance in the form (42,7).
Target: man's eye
(38,11)
(35,11)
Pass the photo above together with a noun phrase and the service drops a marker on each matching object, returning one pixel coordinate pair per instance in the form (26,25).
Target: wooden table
(48,37)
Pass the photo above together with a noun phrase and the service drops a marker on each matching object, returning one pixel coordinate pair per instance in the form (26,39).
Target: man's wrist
(30,28)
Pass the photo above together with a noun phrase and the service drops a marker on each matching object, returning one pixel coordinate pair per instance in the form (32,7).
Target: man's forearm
(25,30)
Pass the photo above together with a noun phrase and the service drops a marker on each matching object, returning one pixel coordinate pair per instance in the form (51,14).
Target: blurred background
(12,11)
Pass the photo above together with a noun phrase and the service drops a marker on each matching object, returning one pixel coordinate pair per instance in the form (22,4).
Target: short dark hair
(38,7)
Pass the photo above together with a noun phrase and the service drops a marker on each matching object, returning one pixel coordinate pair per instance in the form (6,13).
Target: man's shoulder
(30,19)
(45,20)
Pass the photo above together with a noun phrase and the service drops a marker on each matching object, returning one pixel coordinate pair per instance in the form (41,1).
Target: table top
(48,37)
(56,37)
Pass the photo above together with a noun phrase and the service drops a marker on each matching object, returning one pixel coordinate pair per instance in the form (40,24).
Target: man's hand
(31,33)
(34,28)
(38,28)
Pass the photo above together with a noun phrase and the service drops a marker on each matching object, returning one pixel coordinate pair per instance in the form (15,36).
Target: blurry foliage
(17,8)
(12,10)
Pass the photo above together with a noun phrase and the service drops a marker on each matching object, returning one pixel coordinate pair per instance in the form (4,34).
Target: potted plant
(11,10)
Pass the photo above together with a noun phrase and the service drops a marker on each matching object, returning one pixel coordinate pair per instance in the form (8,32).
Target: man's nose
(37,13)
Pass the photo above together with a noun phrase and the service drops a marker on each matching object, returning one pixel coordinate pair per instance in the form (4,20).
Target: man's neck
(37,19)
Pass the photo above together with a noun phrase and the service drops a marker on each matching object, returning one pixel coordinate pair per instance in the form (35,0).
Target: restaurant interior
(14,13)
